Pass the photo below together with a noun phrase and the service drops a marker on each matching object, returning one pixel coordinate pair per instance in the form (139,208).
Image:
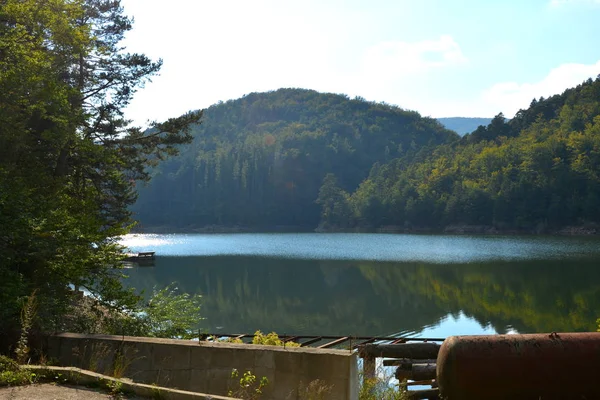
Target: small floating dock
(145,256)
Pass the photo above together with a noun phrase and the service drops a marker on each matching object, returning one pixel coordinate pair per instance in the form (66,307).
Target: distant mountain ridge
(260,161)
(464,125)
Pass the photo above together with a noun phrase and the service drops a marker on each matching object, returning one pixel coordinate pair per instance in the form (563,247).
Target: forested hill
(260,161)
(538,172)
(463,125)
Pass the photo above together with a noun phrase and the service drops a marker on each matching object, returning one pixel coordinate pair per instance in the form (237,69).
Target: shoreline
(577,230)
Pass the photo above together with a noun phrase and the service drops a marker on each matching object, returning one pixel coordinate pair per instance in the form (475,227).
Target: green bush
(248,387)
(8,364)
(380,389)
(271,339)
(11,374)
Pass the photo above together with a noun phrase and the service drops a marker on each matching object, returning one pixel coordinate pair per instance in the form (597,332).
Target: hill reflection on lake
(546,284)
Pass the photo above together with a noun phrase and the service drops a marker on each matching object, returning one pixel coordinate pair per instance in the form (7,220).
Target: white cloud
(402,72)
(391,58)
(509,97)
(222,50)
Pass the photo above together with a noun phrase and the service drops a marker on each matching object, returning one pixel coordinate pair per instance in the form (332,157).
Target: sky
(442,58)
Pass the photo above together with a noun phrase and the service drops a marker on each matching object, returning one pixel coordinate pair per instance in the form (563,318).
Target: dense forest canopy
(536,172)
(300,158)
(259,161)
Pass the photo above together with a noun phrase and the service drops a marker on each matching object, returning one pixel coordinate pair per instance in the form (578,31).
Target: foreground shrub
(11,374)
(271,339)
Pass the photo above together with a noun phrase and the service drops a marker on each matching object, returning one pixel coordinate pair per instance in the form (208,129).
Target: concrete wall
(206,367)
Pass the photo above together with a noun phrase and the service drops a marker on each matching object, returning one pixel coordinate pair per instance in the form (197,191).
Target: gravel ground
(56,392)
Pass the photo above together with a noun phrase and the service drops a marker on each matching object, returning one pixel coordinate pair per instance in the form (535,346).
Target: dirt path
(55,392)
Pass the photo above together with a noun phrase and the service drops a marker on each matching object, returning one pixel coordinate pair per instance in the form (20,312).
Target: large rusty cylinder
(546,366)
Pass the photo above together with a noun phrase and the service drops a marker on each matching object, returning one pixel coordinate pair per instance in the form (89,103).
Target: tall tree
(69,158)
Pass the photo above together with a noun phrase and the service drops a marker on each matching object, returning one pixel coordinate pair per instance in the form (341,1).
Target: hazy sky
(443,58)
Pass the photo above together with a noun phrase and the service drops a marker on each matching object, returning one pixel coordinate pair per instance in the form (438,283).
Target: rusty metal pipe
(416,372)
(534,366)
(401,350)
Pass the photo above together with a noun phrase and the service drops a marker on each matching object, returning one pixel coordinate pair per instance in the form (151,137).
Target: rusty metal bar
(402,350)
(417,372)
(402,361)
(364,342)
(333,343)
(311,341)
(375,338)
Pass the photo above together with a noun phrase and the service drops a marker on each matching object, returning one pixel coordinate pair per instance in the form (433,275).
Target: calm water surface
(379,284)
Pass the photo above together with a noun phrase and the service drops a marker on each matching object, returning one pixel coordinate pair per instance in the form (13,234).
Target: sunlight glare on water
(139,242)
(379,247)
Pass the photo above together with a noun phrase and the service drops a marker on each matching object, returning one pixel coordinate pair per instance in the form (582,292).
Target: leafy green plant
(171,314)
(156,393)
(115,388)
(380,388)
(248,387)
(315,390)
(16,378)
(271,339)
(11,374)
(98,352)
(8,364)
(124,356)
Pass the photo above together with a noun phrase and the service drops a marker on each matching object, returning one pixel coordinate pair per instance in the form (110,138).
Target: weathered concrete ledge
(205,367)
(82,377)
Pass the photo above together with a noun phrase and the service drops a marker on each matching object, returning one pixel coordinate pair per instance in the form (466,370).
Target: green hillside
(259,161)
(301,159)
(537,172)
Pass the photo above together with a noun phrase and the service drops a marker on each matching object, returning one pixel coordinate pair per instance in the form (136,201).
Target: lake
(379,284)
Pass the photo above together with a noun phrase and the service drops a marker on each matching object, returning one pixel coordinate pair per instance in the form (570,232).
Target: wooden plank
(402,350)
(370,340)
(333,343)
